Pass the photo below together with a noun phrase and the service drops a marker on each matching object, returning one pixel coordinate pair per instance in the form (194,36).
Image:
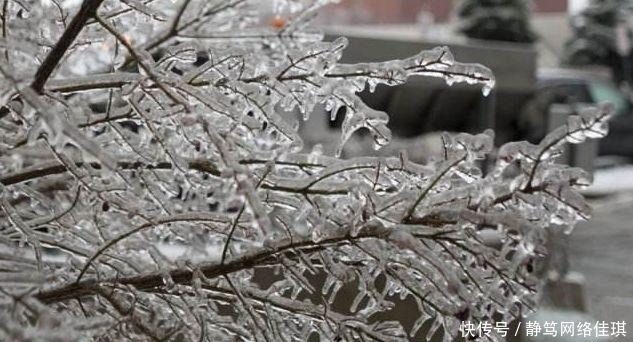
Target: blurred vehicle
(576,88)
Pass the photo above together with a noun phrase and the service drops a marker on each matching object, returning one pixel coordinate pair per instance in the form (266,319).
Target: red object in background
(277,22)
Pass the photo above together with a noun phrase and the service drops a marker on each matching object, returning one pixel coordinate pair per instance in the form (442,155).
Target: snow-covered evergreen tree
(594,40)
(504,20)
(153,186)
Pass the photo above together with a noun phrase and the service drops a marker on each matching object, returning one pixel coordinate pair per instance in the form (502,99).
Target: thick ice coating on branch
(157,187)
(438,62)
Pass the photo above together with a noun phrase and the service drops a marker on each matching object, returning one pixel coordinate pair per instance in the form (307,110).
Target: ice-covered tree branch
(154,185)
(86,11)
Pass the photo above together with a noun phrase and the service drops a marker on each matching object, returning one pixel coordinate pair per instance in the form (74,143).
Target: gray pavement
(602,250)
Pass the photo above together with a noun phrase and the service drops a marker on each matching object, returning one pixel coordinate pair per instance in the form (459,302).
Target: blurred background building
(403,11)
(438,19)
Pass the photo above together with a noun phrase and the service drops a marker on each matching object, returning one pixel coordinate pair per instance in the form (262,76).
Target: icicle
(359,115)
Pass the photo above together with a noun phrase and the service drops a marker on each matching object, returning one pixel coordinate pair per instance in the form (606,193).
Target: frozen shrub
(149,170)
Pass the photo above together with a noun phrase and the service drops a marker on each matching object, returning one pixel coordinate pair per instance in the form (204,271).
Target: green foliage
(503,20)
(594,40)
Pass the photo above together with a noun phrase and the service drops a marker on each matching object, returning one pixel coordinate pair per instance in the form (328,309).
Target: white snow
(613,180)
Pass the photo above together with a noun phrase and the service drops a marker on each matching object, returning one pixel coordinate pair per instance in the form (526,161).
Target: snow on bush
(153,186)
